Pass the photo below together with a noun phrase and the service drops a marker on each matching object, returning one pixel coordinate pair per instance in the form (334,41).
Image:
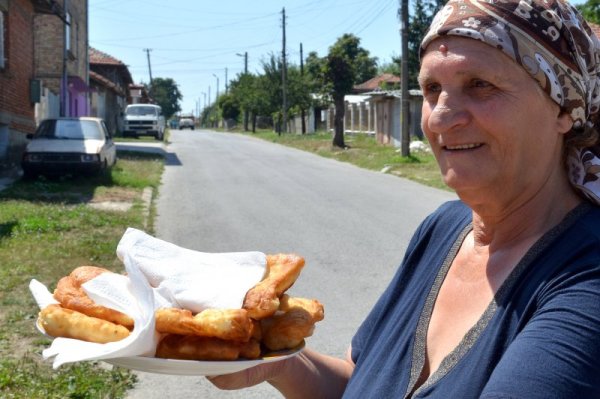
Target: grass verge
(365,152)
(47,228)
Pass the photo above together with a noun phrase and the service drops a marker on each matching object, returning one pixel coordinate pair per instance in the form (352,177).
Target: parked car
(186,123)
(69,146)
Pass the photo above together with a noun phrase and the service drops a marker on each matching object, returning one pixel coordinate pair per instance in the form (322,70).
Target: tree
(346,64)
(244,90)
(166,94)
(590,10)
(230,108)
(419,22)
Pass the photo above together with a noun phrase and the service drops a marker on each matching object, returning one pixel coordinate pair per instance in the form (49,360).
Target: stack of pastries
(269,319)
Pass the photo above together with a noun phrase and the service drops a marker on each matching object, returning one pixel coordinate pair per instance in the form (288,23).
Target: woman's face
(494,132)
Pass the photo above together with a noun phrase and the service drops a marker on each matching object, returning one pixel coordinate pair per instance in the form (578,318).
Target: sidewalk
(157,147)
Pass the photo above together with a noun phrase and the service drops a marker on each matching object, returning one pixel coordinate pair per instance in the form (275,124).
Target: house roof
(100,58)
(375,83)
(101,80)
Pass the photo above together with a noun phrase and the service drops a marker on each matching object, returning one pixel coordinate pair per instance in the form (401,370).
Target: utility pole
(64,100)
(217,97)
(245,55)
(404,78)
(203,109)
(226,82)
(302,115)
(217,101)
(148,50)
(283,78)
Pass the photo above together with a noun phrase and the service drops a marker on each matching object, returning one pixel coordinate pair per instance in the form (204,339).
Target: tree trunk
(303,115)
(253,123)
(338,122)
(245,120)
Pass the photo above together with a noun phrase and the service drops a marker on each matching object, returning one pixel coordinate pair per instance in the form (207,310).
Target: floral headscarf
(552,42)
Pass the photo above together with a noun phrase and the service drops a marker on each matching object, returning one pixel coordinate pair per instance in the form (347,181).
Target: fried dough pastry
(287,330)
(227,324)
(60,322)
(262,300)
(71,296)
(193,347)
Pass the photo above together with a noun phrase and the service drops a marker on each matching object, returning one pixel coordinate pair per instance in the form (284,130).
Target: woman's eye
(478,83)
(431,88)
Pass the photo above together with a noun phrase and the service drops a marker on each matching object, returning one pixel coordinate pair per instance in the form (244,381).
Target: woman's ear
(564,122)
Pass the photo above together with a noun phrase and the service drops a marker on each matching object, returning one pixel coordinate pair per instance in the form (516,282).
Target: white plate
(197,367)
(192,367)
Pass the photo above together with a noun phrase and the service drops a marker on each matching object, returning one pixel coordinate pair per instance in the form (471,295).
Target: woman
(499,293)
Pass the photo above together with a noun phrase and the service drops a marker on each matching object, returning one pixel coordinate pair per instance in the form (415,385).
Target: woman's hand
(249,377)
(307,375)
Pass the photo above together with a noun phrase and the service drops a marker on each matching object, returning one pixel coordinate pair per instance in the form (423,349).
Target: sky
(199,43)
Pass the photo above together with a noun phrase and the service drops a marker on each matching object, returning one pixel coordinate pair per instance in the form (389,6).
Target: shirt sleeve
(557,353)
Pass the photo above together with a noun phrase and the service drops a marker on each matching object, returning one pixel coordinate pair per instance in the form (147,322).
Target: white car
(69,146)
(144,120)
(186,123)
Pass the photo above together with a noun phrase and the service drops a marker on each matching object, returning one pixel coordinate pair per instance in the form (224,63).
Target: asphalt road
(226,192)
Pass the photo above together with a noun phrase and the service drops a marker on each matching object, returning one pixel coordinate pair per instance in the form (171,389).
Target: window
(68,31)
(2,41)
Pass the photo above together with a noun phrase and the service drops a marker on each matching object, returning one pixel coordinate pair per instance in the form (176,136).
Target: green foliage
(361,66)
(419,22)
(346,65)
(230,108)
(392,67)
(590,10)
(166,94)
(26,378)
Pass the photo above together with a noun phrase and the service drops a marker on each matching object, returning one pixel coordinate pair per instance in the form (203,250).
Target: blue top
(539,338)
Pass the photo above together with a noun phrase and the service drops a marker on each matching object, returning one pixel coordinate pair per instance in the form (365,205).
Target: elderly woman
(499,293)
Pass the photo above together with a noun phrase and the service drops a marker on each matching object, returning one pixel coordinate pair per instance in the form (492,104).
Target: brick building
(61,51)
(17,83)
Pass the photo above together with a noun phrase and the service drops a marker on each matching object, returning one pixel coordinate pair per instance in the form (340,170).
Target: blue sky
(196,42)
(192,41)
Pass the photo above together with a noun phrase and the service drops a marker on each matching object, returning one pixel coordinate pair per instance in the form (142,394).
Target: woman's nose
(447,112)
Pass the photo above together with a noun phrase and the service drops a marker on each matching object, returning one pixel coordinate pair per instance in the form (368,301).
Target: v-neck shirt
(539,336)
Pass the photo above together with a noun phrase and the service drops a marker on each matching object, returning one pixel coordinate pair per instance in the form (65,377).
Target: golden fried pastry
(71,296)
(60,322)
(288,330)
(262,300)
(193,347)
(312,306)
(228,324)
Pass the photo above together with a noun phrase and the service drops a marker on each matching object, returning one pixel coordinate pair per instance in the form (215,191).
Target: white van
(144,120)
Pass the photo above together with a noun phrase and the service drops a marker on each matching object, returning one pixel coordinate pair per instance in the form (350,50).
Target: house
(386,81)
(109,82)
(61,59)
(374,108)
(19,87)
(138,94)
